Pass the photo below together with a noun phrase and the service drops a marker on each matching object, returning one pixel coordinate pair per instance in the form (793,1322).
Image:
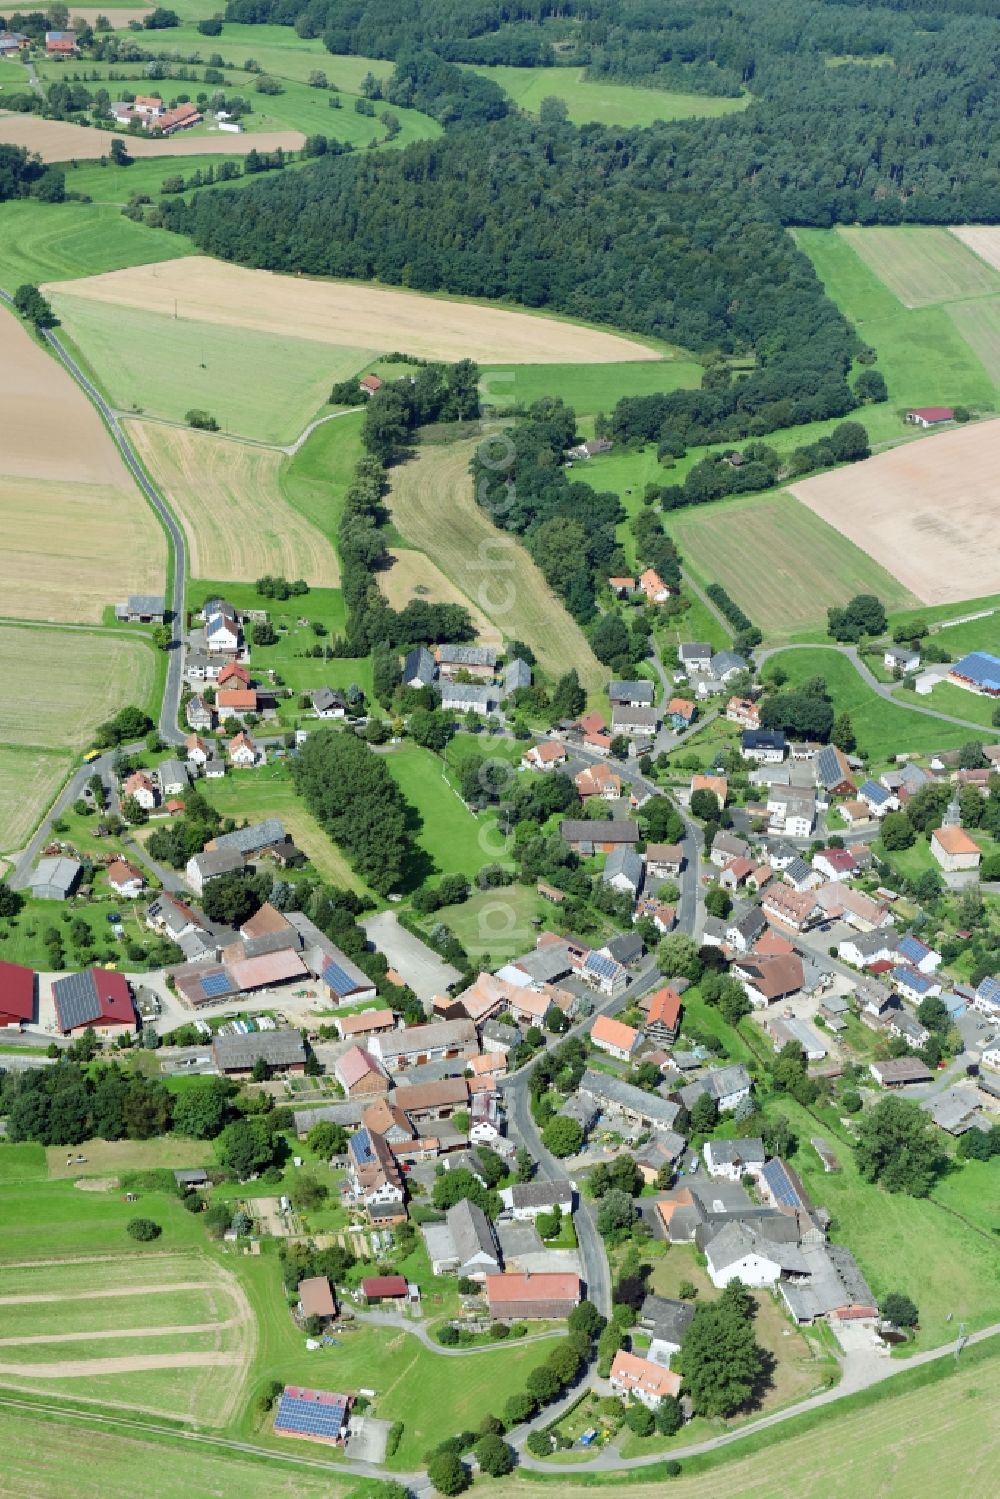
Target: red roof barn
(383,1288)
(17,994)
(96,997)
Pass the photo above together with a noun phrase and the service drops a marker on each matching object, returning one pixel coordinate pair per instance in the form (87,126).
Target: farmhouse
(181,117)
(55,878)
(767,980)
(598,835)
(281,1050)
(97,997)
(17,995)
(741,1252)
(633,720)
(613,1037)
(125,880)
(61,43)
(638,694)
(653,586)
(618,1099)
(902,658)
(788,907)
(470,697)
(530,1297)
(234,702)
(632,1375)
(201,868)
(930,416)
(465,1243)
(479,661)
(726,846)
(954,849)
(527,1200)
(419,669)
(423,1043)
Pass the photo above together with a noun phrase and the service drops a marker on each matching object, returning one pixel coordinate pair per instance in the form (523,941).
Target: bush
(144,1230)
(394,1438)
(640,1419)
(539,1443)
(202,421)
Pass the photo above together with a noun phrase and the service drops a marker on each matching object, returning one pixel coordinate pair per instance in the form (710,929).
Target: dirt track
(927,511)
(352,314)
(58,140)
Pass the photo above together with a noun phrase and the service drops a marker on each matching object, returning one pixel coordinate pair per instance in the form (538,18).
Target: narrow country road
(883,689)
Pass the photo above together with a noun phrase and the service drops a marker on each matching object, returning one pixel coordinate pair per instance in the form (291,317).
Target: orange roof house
(614,1037)
(232,674)
(654,587)
(648,1382)
(663,1017)
(597,780)
(717,784)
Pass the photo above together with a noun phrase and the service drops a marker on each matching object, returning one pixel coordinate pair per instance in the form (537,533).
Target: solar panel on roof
(337,978)
(323,1419)
(76,1000)
(215,984)
(778,1180)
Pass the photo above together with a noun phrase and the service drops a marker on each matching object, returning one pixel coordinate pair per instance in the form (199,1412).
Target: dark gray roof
(281,1048)
(146,603)
(471,1233)
(467,655)
(541,1194)
(419,666)
(518,674)
(632,692)
(726,661)
(218,861)
(603,1088)
(194,1178)
(735,1240)
(626,862)
(252,839)
(666,1318)
(504,1035)
(581,830)
(453,694)
(325,698)
(738,1152)
(799,870)
(60,872)
(626,948)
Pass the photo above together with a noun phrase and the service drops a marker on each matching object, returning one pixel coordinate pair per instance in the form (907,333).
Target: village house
(419,669)
(663,916)
(198,714)
(624,871)
(526,1201)
(663,1016)
(736,873)
(763,746)
(632,720)
(367,1023)
(731,1160)
(199,751)
(835,863)
(638,694)
(717,785)
(61,43)
(634,1377)
(517,675)
(901,658)
(666,1321)
(745,924)
(695,656)
(877,799)
(616,1099)
(328,703)
(376,1178)
(465,1244)
(791,810)
(243,752)
(470,697)
(604,973)
(840,902)
(222,628)
(235,702)
(727,846)
(597,780)
(681,713)
(139,786)
(622,587)
(653,586)
(954,850)
(664,860)
(125,880)
(544,756)
(173,777)
(788,907)
(768,979)
(743,711)
(613,1037)
(726,1086)
(833,772)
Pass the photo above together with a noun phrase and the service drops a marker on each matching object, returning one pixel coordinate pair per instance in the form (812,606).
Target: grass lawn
(70,1222)
(496,924)
(42,1458)
(590,388)
(697,623)
(107,1157)
(268,792)
(325,605)
(455,840)
(921,353)
(21,937)
(315,480)
(598,102)
(947,698)
(781,563)
(255,384)
(21,1163)
(882,729)
(61,241)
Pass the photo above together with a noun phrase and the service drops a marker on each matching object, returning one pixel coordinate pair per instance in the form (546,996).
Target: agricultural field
(154,1339)
(927,512)
(316,476)
(355,315)
(42,1458)
(596,101)
(921,1439)
(779,561)
(60,241)
(228,497)
(77,533)
(922,351)
(982,239)
(60,140)
(923,265)
(30,778)
(883,729)
(433,507)
(266,386)
(413,575)
(109,1157)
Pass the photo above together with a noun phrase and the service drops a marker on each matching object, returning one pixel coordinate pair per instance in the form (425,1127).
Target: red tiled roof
(17,992)
(354,1065)
(664,1006)
(269,968)
(384,1285)
(544,1286)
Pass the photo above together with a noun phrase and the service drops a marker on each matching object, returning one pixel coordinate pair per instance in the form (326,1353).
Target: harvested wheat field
(434,508)
(983,239)
(412,575)
(353,313)
(58,140)
(927,511)
(228,499)
(161,1348)
(118,16)
(77,533)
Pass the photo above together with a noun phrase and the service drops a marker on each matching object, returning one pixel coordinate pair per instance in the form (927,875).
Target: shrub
(143,1229)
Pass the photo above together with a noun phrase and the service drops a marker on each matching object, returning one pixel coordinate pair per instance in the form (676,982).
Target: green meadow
(594,101)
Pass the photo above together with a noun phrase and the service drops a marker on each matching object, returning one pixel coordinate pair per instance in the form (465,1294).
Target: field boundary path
(170,707)
(883,689)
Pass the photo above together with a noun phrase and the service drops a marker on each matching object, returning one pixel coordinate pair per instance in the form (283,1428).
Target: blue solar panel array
(215,984)
(602,966)
(337,978)
(780,1185)
(361,1147)
(312,1418)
